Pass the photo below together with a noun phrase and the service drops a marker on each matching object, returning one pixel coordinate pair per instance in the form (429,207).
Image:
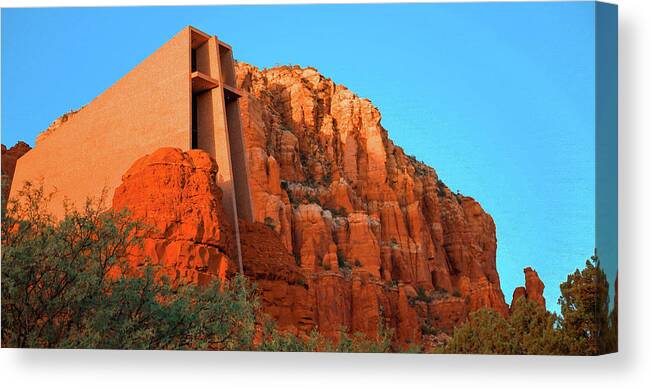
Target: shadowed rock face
(365,222)
(9,158)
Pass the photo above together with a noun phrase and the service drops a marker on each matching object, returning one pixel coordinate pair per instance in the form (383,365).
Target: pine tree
(536,330)
(584,306)
(485,332)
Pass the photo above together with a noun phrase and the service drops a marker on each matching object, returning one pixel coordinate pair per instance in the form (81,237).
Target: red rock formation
(351,232)
(355,210)
(518,293)
(283,286)
(9,158)
(533,289)
(176,193)
(300,301)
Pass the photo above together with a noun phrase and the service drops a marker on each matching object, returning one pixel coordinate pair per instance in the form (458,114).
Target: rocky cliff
(375,232)
(351,231)
(9,158)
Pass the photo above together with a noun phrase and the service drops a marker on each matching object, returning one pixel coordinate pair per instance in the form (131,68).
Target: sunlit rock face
(532,290)
(375,232)
(176,194)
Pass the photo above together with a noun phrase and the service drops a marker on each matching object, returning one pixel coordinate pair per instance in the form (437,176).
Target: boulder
(175,194)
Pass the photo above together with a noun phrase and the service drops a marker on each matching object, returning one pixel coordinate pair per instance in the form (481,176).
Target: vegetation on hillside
(68,284)
(584,327)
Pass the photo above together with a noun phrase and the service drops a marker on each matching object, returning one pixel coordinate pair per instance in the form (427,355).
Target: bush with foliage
(585,326)
(341,260)
(269,222)
(67,284)
(359,343)
(485,332)
(535,330)
(274,340)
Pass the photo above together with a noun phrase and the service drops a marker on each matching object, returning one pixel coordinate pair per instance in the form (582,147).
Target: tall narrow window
(194,60)
(195,126)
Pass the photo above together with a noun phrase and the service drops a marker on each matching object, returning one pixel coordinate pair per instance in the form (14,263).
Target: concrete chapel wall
(149,108)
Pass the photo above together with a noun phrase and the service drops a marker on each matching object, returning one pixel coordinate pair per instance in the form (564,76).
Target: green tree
(68,284)
(584,306)
(536,331)
(585,326)
(485,332)
(529,330)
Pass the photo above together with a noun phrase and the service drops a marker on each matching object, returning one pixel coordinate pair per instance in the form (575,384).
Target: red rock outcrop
(9,158)
(299,300)
(532,290)
(176,193)
(282,285)
(351,232)
(375,231)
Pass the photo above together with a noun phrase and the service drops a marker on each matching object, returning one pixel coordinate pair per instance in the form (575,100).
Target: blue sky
(498,98)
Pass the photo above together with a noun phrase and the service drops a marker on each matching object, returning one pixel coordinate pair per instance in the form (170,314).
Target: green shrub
(429,330)
(584,305)
(341,260)
(68,284)
(585,326)
(339,212)
(391,283)
(421,295)
(275,340)
(485,332)
(359,343)
(269,222)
